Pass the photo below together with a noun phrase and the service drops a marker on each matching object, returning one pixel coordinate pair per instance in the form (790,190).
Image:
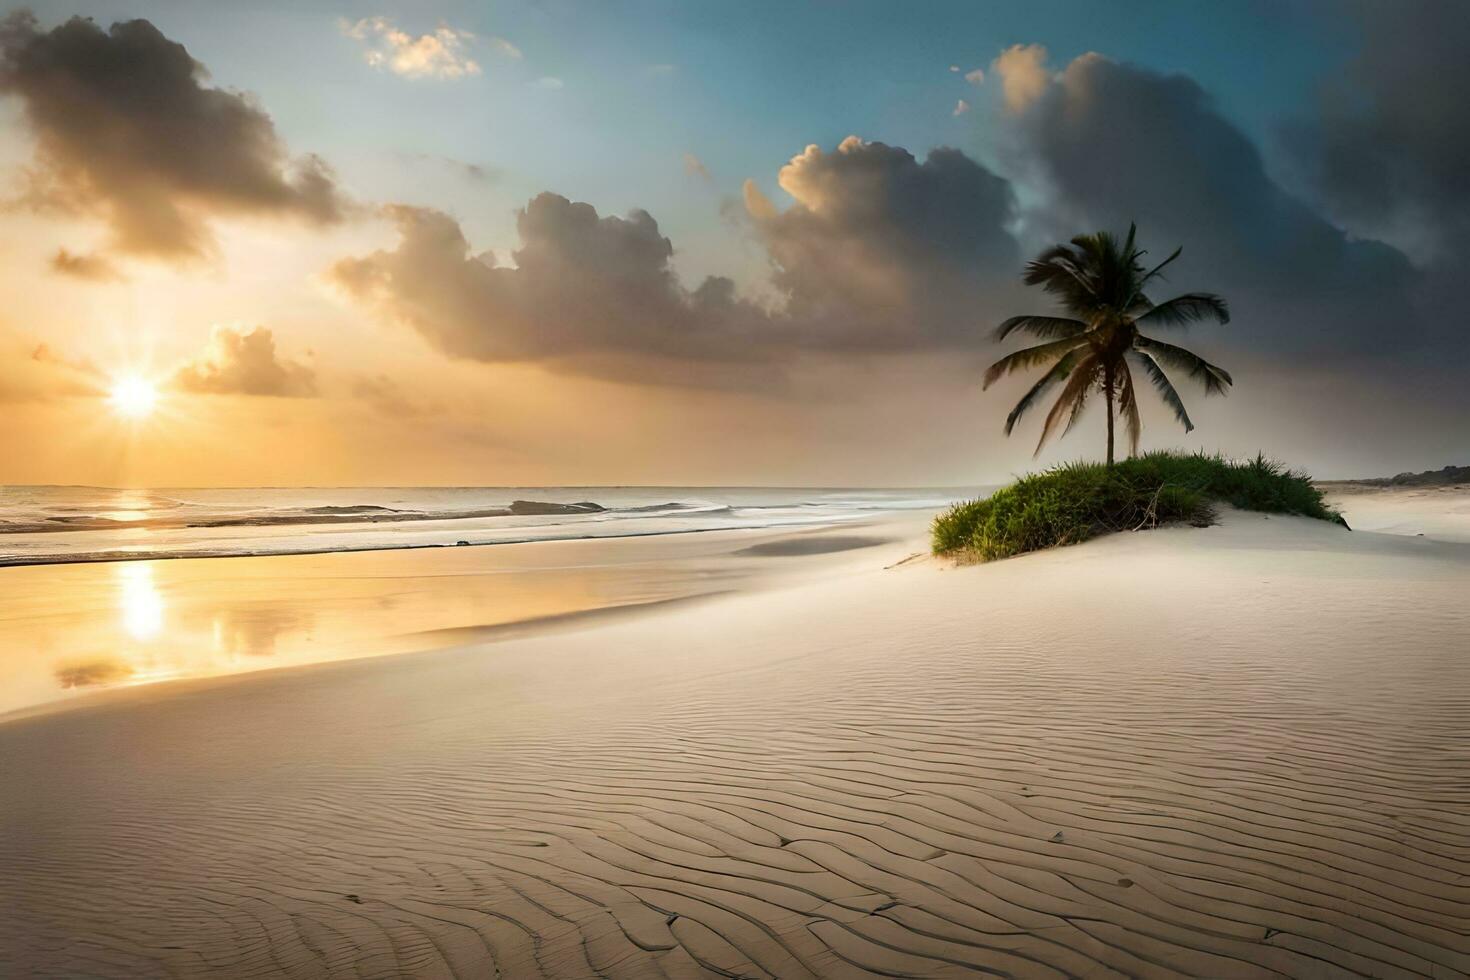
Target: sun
(133,397)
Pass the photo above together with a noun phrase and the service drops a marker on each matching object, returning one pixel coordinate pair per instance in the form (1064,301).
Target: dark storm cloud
(1114,143)
(126,129)
(241,362)
(1389,151)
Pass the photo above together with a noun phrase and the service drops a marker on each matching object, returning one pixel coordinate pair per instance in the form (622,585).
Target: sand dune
(1237,751)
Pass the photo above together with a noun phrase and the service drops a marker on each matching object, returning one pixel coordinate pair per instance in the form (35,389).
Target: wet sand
(1235,751)
(68,631)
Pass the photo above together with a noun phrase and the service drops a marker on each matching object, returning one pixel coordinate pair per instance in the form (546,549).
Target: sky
(554,243)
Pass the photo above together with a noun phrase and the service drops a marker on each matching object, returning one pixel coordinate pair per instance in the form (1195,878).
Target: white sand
(1236,751)
(1434,512)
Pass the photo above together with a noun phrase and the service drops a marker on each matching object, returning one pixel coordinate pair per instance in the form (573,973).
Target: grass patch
(1078,501)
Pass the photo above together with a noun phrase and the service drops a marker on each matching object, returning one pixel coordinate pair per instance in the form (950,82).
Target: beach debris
(1057,836)
(1125,882)
(460,544)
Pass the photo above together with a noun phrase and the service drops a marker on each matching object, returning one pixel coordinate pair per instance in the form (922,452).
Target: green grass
(1078,501)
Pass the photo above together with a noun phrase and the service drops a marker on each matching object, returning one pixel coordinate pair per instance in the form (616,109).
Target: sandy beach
(1235,751)
(563,490)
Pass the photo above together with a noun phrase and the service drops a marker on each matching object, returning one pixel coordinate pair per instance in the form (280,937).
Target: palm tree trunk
(1108,394)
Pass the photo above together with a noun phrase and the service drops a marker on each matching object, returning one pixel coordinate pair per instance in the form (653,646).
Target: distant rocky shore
(1448,476)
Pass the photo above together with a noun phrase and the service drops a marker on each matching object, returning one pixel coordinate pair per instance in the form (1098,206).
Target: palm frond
(1062,272)
(1128,408)
(1150,274)
(1059,371)
(1215,379)
(1039,269)
(1186,309)
(1165,388)
(1078,404)
(1030,356)
(1050,327)
(1069,402)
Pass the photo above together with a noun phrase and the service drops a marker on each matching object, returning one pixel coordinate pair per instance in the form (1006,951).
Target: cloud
(1388,152)
(975,76)
(880,251)
(585,291)
(549,82)
(126,130)
(475,172)
(94,268)
(960,108)
(1023,74)
(506,48)
(31,372)
(241,362)
(385,397)
(695,167)
(1108,143)
(440,54)
(80,367)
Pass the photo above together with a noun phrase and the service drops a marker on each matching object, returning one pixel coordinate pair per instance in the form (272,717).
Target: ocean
(95,597)
(61,524)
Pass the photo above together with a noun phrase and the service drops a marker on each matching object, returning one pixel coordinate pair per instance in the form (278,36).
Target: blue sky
(741,86)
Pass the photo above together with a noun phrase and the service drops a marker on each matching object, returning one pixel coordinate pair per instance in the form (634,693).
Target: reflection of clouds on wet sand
(87,673)
(254,629)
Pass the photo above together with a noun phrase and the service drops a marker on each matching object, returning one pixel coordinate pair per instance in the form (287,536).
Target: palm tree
(1100,282)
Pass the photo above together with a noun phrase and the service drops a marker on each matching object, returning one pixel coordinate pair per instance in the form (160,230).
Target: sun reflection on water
(140,604)
(128,506)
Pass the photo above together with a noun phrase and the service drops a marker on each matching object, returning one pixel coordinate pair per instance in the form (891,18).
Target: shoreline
(73,527)
(86,559)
